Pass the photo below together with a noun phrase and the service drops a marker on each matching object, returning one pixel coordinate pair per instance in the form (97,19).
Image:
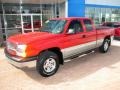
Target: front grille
(11,46)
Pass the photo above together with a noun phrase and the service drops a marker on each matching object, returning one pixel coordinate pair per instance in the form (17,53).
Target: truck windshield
(53,26)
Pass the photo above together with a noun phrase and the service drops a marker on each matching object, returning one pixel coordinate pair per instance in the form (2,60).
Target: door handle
(83,36)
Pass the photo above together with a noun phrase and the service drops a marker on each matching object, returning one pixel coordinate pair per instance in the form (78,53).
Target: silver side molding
(99,42)
(71,51)
(112,38)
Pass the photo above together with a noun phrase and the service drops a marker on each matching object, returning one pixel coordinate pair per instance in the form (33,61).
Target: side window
(109,24)
(88,25)
(76,26)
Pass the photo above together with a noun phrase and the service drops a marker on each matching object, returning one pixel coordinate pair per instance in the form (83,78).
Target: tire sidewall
(108,42)
(40,63)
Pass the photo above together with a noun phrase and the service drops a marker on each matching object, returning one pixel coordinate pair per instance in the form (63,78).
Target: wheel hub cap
(106,46)
(49,65)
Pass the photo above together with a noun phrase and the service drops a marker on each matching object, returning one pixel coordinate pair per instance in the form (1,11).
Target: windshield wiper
(45,31)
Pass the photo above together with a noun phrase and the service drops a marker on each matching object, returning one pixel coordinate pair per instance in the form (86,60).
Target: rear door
(90,34)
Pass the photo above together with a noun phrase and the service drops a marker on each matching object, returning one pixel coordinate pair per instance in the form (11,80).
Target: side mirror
(70,31)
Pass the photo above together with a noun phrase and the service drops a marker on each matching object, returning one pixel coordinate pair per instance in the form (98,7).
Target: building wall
(103,2)
(76,8)
(103,11)
(62,10)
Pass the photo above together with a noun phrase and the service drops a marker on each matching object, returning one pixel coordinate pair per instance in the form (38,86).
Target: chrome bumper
(22,65)
(19,61)
(117,37)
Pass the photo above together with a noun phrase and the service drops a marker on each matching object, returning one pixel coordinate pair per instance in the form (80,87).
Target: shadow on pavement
(78,68)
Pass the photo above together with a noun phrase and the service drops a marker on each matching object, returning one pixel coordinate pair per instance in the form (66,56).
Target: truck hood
(29,37)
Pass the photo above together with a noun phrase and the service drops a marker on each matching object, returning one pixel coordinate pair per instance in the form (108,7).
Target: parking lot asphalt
(95,71)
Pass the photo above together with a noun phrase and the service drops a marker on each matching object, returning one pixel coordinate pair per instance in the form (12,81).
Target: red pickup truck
(59,39)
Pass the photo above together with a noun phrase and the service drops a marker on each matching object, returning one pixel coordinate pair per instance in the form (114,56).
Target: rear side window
(88,25)
(109,24)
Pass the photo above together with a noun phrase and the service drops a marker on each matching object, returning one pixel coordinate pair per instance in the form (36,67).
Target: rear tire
(47,63)
(105,46)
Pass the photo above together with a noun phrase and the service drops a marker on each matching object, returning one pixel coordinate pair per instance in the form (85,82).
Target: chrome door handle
(83,36)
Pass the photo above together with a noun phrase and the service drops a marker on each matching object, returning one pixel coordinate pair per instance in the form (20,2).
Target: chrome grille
(11,46)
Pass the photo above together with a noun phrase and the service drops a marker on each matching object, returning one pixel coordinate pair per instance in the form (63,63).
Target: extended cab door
(90,34)
(74,39)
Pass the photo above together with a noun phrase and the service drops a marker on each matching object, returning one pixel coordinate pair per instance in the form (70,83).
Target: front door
(74,39)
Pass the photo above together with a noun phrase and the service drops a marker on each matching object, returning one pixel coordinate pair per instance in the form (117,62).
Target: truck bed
(102,27)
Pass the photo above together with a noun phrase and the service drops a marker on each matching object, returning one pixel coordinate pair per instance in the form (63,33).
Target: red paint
(115,25)
(117,32)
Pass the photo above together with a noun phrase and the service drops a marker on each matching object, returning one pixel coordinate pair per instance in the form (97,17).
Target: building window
(100,15)
(17,17)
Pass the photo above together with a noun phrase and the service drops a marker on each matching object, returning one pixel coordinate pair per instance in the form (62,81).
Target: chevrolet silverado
(58,40)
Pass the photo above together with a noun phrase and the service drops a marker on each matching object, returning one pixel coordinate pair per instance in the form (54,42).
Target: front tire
(47,63)
(105,46)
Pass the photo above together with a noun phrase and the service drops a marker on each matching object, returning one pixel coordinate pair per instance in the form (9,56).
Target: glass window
(13,20)
(1,11)
(101,15)
(108,14)
(76,26)
(53,26)
(115,15)
(97,18)
(11,8)
(90,12)
(88,25)
(30,8)
(108,24)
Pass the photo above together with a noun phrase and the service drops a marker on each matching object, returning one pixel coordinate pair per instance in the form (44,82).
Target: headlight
(21,50)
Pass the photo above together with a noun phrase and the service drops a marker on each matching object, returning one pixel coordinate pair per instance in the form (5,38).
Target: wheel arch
(58,52)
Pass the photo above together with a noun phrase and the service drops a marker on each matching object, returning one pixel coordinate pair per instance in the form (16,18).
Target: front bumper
(21,62)
(117,37)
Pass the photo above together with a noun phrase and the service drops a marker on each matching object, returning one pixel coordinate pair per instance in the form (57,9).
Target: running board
(80,56)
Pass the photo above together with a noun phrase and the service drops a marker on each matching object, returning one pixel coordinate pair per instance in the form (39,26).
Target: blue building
(15,14)
(100,11)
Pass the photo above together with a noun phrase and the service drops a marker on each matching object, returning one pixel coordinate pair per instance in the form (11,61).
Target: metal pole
(55,10)
(32,22)
(5,22)
(41,16)
(21,16)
